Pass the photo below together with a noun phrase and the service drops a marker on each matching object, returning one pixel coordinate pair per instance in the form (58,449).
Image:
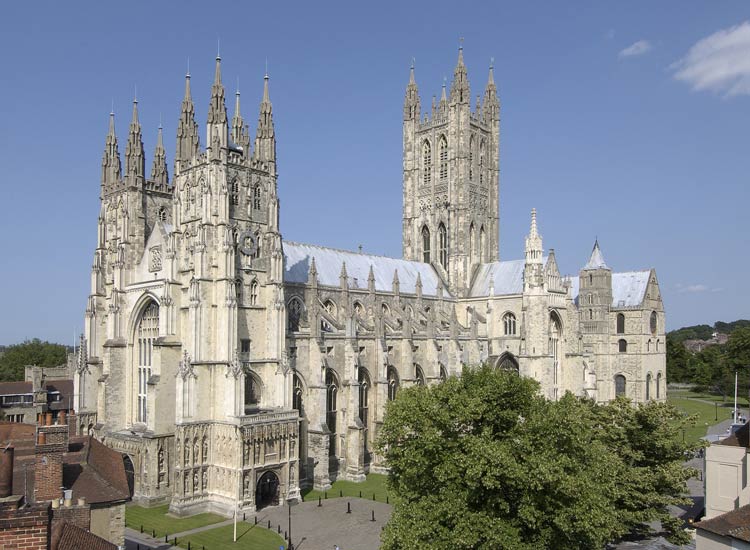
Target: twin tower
(451,174)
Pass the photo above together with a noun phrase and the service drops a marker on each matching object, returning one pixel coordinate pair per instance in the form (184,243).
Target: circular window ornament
(248,243)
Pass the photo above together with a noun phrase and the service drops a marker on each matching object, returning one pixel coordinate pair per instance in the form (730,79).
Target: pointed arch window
(472,243)
(471,158)
(443,246)
(359,309)
(254,293)
(147,331)
(234,196)
(481,161)
(426,163)
(393,383)
(443,159)
(252,393)
(258,244)
(298,395)
(620,323)
(330,308)
(418,375)
(482,245)
(256,197)
(648,387)
(653,323)
(620,385)
(555,331)
(332,392)
(443,374)
(294,313)
(658,385)
(364,401)
(509,324)
(425,245)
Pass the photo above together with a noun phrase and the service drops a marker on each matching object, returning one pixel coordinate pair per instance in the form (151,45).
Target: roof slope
(298,258)
(75,538)
(735,524)
(505,278)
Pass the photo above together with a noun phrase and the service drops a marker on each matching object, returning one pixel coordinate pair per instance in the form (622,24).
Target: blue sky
(626,121)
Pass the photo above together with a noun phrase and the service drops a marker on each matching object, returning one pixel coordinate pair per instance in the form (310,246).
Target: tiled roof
(99,477)
(735,524)
(298,258)
(75,538)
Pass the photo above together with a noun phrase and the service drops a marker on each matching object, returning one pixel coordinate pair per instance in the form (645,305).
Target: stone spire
(491,103)
(265,137)
(312,274)
(596,261)
(159,170)
(135,167)
(216,128)
(533,275)
(111,168)
(239,129)
(188,141)
(411,102)
(344,276)
(533,242)
(460,92)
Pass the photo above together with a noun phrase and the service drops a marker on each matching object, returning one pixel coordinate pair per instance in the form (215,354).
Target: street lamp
(290,502)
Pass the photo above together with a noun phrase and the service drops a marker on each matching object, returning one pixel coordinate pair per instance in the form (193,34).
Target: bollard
(360,494)
(269,523)
(153,533)
(320,503)
(175,542)
(348,507)
(256,520)
(373,496)
(165,538)
(371,519)
(137,547)
(243,516)
(386,499)
(141,528)
(325,495)
(341,493)
(278,529)
(188,545)
(285,536)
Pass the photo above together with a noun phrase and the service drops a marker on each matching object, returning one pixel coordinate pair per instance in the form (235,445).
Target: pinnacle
(266,96)
(411,73)
(187,87)
(491,78)
(135,111)
(112,123)
(217,74)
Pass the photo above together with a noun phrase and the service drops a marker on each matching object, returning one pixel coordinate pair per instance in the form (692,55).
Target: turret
(460,92)
(188,141)
(240,135)
(595,292)
(533,268)
(159,170)
(135,164)
(216,127)
(411,102)
(491,107)
(111,168)
(265,138)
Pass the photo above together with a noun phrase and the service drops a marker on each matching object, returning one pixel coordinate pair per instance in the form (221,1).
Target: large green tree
(483,461)
(30,352)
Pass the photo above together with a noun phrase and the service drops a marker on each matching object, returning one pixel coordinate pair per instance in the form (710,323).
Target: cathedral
(232,367)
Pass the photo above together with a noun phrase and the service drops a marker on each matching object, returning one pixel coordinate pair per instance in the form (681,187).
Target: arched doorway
(129,473)
(267,491)
(507,362)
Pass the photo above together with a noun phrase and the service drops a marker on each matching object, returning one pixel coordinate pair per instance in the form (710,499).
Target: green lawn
(249,537)
(375,483)
(707,414)
(728,402)
(156,519)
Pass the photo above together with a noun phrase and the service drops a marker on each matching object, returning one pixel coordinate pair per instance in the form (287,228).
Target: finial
(413,61)
(266,74)
(238,86)
(218,49)
(135,93)
(112,110)
(188,67)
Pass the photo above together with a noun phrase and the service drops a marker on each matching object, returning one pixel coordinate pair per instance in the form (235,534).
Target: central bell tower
(451,176)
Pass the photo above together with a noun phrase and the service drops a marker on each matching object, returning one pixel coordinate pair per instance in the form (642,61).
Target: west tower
(451,176)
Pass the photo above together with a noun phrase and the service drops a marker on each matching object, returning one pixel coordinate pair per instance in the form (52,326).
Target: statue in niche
(187,452)
(186,489)
(205,449)
(177,448)
(246,484)
(196,451)
(205,479)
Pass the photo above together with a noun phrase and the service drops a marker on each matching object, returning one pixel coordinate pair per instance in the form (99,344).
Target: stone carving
(234,367)
(154,258)
(185,367)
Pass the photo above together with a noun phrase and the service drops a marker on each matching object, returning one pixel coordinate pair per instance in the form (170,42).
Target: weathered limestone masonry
(232,368)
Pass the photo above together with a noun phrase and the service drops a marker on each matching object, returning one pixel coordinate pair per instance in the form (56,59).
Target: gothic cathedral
(232,367)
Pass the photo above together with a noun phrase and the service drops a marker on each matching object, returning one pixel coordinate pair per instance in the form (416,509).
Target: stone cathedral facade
(232,367)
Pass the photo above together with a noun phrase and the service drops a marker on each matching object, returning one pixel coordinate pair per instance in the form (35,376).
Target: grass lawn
(375,483)
(728,402)
(156,519)
(249,537)
(706,412)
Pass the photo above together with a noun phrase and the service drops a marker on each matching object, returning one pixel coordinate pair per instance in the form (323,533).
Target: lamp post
(290,502)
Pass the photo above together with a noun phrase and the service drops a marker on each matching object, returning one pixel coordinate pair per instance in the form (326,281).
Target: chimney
(51,444)
(6,471)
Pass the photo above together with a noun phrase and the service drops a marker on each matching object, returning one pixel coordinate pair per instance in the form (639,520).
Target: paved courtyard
(320,528)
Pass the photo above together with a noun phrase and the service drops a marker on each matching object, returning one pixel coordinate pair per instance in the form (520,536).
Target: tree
(30,352)
(677,359)
(483,461)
